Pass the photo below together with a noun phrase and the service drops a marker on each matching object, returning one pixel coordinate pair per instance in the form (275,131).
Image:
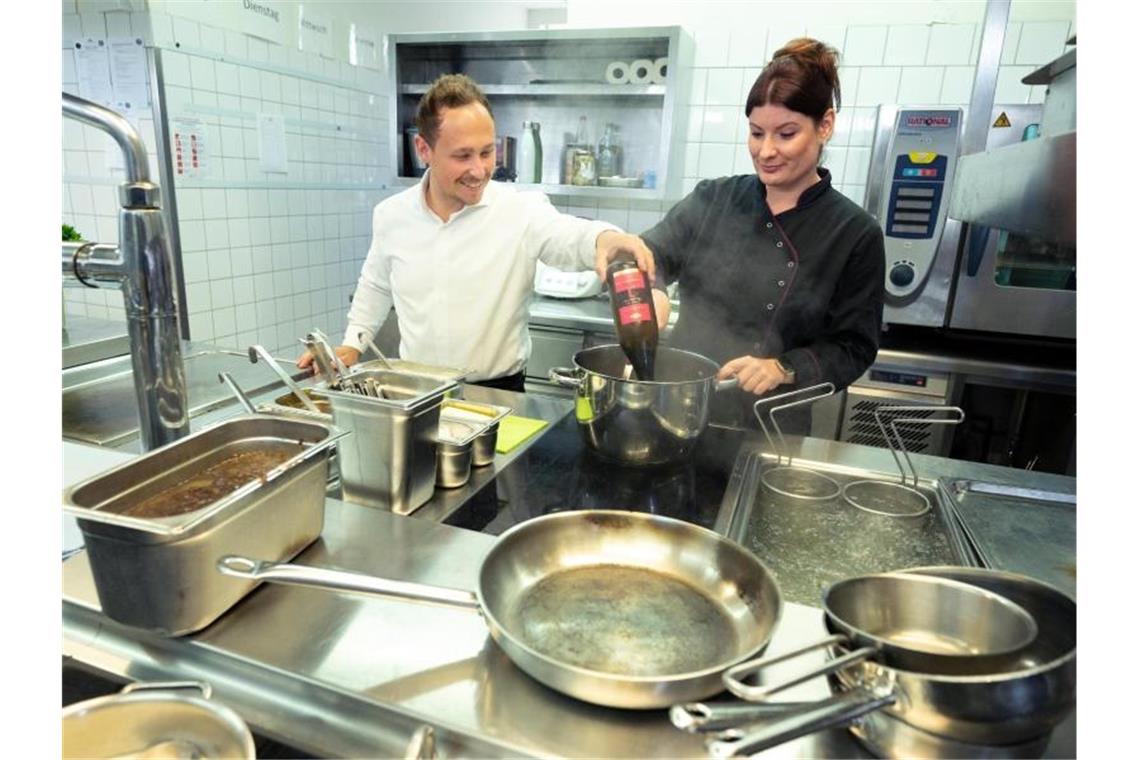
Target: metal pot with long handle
(621,609)
(1016,705)
(641,422)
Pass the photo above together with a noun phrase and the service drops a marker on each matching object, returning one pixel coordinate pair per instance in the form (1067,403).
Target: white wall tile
(724,87)
(849,83)
(93,25)
(176,69)
(1009,43)
(782,32)
(722,124)
(957,84)
(250,82)
(225,323)
(641,220)
(864,46)
(1041,42)
(192,235)
(202,74)
(239,234)
(201,326)
(716,160)
(746,47)
(72,28)
(118,24)
(235,44)
(212,39)
(692,157)
(832,34)
(857,165)
(950,45)
(842,132)
(161,29)
(221,294)
(1009,87)
(906,45)
(217,241)
(186,33)
(227,78)
(920,85)
(194,266)
(711,45)
(742,162)
(862,127)
(198,297)
(878,85)
(835,161)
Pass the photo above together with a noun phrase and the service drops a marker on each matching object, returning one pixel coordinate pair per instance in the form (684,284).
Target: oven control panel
(919,168)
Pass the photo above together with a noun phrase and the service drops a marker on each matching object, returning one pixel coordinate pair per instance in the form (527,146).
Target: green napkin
(514,430)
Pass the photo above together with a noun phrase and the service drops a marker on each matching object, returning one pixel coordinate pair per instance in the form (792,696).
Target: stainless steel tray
(159,573)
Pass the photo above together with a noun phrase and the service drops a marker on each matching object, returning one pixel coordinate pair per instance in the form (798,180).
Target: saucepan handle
(696,717)
(735,676)
(723,385)
(838,710)
(302,575)
(564,376)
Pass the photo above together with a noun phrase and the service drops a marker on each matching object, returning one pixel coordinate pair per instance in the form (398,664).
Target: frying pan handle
(838,710)
(564,376)
(695,717)
(301,575)
(735,676)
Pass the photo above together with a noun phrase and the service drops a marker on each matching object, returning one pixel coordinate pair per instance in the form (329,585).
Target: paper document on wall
(188,147)
(271,143)
(93,67)
(128,74)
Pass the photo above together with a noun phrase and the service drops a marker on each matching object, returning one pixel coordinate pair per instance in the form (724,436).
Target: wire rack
(787,478)
(901,499)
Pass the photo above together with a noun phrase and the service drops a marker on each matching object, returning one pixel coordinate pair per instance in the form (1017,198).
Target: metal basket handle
(899,417)
(822,390)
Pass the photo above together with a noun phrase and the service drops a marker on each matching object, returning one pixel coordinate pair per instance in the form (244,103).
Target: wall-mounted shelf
(553,77)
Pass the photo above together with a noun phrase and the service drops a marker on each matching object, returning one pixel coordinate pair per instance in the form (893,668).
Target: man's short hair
(449,91)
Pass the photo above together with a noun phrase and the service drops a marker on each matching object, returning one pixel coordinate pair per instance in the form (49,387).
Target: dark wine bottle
(635,318)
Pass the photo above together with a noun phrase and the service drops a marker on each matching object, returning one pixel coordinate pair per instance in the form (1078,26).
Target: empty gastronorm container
(158,573)
(389,460)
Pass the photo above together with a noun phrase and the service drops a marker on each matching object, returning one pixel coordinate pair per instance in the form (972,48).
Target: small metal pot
(454,453)
(636,421)
(155,720)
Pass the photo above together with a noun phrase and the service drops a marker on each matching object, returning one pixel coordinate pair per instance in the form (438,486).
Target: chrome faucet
(143,267)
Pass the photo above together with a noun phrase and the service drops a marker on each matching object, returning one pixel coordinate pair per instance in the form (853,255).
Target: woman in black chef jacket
(780,275)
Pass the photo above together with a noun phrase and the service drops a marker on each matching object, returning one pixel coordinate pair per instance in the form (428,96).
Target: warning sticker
(1002,120)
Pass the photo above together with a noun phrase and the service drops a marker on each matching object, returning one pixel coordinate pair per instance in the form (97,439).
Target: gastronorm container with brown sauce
(158,572)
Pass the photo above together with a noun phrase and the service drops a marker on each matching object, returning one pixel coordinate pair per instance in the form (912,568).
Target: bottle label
(629,279)
(638,312)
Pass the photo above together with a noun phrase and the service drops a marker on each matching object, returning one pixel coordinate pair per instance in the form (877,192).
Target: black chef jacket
(805,285)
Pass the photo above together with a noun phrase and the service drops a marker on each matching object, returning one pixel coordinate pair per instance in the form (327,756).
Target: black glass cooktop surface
(559,473)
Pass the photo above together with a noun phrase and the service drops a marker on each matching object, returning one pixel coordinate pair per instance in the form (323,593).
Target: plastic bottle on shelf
(530,153)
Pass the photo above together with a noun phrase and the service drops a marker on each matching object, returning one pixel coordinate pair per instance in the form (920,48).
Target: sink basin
(99,403)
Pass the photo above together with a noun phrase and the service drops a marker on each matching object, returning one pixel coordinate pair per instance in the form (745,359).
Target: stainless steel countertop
(344,675)
(86,339)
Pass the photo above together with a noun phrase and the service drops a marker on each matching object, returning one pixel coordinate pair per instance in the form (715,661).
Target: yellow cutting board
(513,430)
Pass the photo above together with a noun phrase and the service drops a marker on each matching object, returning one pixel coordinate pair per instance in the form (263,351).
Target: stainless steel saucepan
(1014,706)
(622,609)
(641,422)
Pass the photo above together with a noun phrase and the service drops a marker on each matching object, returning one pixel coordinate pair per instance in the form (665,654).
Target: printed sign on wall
(314,31)
(188,148)
(363,46)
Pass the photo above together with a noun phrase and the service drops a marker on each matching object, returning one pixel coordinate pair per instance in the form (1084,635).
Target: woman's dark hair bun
(803,76)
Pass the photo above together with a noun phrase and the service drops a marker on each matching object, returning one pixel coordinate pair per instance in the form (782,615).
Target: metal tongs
(363,336)
(257,352)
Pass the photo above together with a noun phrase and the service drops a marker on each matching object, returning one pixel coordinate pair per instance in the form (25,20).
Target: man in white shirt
(456,254)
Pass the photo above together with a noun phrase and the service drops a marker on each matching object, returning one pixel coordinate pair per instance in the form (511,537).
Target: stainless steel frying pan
(622,609)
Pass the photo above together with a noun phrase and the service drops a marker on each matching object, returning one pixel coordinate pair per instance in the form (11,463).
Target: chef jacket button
(791,264)
(779,244)
(769,225)
(780,283)
(770,307)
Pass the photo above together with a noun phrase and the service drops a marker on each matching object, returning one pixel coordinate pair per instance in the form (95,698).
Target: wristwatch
(789,371)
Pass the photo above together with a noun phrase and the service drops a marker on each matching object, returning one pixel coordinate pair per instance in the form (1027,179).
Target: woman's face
(785,145)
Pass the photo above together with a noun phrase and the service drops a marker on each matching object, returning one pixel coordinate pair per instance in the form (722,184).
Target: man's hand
(661,308)
(755,375)
(347,354)
(610,242)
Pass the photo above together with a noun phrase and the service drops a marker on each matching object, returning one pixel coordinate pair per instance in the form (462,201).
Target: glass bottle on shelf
(584,166)
(530,154)
(609,153)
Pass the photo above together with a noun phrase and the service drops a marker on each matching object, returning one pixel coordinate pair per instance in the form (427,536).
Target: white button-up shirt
(462,288)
